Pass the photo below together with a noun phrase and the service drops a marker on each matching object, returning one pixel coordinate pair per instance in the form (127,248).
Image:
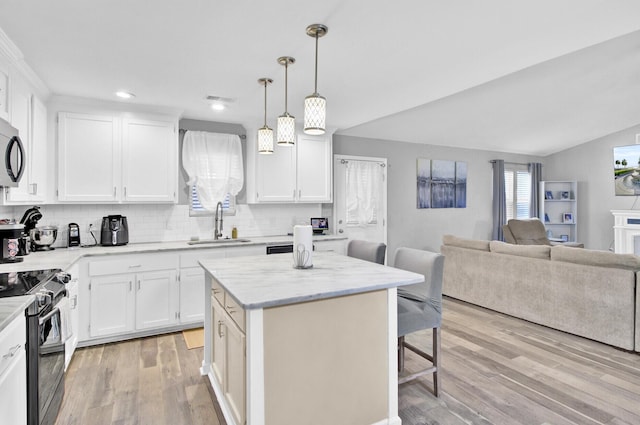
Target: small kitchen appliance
(30,220)
(10,235)
(114,231)
(14,155)
(319,225)
(73,238)
(43,237)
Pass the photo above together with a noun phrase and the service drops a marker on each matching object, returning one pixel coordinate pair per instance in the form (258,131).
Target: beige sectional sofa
(584,292)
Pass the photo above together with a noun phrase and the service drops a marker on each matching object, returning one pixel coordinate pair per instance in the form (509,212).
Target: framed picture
(548,195)
(567,217)
(564,195)
(564,238)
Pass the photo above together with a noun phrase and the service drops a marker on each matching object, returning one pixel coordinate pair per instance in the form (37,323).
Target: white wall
(591,164)
(161,223)
(424,228)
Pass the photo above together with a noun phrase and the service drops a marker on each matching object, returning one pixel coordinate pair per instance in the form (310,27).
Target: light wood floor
(496,370)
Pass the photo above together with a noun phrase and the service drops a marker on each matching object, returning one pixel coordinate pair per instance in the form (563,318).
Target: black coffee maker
(30,220)
(114,230)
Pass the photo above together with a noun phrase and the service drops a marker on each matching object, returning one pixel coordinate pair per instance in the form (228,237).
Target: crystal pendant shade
(286,130)
(265,140)
(315,107)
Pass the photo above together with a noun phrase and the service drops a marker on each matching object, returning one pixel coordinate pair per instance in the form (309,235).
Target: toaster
(114,231)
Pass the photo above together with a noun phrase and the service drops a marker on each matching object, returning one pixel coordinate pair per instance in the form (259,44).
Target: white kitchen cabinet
(29,117)
(4,93)
(337,246)
(191,295)
(88,158)
(299,173)
(149,161)
(112,305)
(103,158)
(72,294)
(156,299)
(229,352)
(13,372)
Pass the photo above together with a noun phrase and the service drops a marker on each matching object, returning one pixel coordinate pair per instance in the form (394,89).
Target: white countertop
(11,307)
(268,281)
(63,258)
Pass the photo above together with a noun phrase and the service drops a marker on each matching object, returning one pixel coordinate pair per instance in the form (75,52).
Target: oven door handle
(49,315)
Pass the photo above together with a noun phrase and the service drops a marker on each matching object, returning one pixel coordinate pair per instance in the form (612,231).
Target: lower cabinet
(13,372)
(112,305)
(229,353)
(72,293)
(156,299)
(191,293)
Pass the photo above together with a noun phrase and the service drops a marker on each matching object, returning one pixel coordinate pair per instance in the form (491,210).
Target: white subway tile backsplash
(163,223)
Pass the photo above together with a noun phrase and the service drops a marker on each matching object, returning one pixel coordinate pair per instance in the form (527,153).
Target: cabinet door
(112,305)
(4,94)
(156,299)
(192,295)
(218,341)
(38,160)
(21,120)
(235,368)
(276,175)
(13,387)
(150,166)
(314,168)
(72,342)
(88,158)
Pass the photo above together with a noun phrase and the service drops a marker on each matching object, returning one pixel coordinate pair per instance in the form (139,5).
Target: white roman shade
(213,162)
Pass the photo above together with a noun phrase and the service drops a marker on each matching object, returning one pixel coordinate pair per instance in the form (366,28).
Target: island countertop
(267,281)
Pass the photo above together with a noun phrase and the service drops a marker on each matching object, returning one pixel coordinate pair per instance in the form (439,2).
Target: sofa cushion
(592,257)
(465,243)
(542,252)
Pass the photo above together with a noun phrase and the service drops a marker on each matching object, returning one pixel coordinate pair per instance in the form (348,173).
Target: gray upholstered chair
(420,307)
(368,251)
(530,232)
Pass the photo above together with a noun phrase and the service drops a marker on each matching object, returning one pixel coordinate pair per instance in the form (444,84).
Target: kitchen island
(291,346)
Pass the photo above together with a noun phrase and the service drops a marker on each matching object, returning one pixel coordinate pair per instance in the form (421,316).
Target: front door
(360,197)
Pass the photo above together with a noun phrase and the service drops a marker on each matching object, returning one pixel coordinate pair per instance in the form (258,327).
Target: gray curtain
(499,200)
(535,170)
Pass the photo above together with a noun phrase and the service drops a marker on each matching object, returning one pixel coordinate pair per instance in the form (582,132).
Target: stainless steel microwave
(14,155)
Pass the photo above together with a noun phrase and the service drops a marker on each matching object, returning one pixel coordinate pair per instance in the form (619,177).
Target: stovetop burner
(13,284)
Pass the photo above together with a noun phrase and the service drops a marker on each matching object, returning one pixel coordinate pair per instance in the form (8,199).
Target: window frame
(518,173)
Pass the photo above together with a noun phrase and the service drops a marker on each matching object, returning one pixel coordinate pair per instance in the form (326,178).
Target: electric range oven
(45,339)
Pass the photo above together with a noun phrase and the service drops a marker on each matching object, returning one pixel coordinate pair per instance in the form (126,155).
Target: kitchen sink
(216,241)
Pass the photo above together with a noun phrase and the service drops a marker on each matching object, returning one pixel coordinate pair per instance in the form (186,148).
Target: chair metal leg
(400,354)
(436,361)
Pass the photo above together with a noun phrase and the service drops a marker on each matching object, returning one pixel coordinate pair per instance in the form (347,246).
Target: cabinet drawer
(12,340)
(234,310)
(191,258)
(132,264)
(218,292)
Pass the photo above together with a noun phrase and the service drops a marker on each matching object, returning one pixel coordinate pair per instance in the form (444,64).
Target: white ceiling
(530,77)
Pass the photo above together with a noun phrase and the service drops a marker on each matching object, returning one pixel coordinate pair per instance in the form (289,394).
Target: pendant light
(265,134)
(286,121)
(315,106)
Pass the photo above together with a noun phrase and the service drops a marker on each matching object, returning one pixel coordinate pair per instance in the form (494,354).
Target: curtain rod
(184,130)
(512,163)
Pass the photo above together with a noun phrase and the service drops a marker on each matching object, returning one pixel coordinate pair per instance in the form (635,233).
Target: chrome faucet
(218,232)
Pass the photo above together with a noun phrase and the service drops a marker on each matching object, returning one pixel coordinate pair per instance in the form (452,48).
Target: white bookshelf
(559,209)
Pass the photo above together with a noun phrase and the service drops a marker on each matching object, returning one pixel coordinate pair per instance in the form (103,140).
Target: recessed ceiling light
(218,106)
(125,95)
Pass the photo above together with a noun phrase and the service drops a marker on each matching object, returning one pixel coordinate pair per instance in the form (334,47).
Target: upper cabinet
(112,159)
(296,174)
(29,117)
(4,93)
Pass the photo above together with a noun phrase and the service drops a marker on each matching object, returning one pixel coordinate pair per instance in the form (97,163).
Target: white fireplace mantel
(626,230)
